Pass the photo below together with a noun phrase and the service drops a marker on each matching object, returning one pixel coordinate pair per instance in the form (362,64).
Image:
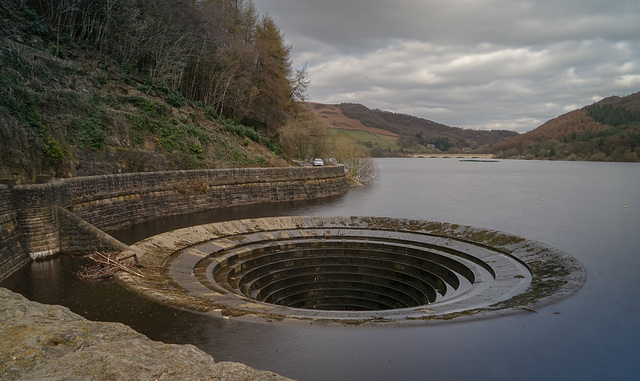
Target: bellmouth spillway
(353,270)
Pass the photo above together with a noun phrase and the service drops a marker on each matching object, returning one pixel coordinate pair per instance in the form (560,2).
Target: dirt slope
(336,119)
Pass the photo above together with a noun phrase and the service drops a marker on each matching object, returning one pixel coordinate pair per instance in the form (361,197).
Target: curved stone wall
(36,215)
(117,201)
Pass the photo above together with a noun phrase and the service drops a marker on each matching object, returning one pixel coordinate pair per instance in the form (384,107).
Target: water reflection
(139,232)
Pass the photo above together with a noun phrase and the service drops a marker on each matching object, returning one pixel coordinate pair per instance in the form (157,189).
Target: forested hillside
(106,86)
(418,132)
(608,130)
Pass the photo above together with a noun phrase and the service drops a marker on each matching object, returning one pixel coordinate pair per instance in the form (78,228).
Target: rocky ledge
(46,342)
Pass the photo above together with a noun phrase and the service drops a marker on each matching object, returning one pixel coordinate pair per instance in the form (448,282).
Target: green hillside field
(370,139)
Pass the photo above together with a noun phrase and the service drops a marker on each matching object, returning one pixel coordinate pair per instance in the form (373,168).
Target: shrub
(148,106)
(196,151)
(90,132)
(167,136)
(196,132)
(126,73)
(139,127)
(260,161)
(57,51)
(52,148)
(37,25)
(211,113)
(175,99)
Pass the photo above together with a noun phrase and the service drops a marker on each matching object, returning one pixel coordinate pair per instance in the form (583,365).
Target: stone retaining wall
(78,236)
(68,215)
(12,251)
(116,202)
(37,207)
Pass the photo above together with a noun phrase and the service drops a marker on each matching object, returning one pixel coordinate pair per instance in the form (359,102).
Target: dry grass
(334,118)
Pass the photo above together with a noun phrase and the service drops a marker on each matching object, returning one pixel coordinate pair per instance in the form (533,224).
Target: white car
(318,162)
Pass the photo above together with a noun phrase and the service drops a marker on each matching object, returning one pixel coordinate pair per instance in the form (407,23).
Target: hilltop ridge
(332,115)
(608,130)
(413,133)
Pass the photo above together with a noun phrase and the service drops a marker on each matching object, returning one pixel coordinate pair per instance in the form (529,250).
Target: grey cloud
(476,64)
(349,23)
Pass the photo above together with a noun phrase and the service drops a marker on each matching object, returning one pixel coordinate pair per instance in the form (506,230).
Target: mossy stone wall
(13,253)
(68,215)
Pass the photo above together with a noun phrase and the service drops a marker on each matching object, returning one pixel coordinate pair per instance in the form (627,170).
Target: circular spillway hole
(360,269)
(347,274)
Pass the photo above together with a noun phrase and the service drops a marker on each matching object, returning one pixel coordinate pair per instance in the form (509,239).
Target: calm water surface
(590,210)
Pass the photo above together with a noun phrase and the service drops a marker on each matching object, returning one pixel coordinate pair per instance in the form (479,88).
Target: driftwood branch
(106,266)
(131,255)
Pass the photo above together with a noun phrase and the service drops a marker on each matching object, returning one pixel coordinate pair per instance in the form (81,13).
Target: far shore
(453,155)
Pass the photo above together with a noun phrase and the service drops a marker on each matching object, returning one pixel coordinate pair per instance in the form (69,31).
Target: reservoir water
(590,210)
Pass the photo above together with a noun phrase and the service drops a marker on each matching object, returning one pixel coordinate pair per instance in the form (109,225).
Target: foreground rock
(45,342)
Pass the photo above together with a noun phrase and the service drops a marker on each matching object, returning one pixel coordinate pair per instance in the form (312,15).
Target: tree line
(599,132)
(222,53)
(219,56)
(415,132)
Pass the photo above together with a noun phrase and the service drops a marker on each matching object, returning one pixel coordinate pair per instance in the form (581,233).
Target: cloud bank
(482,64)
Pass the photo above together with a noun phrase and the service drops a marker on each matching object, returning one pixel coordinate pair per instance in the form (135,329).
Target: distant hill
(415,134)
(334,117)
(607,130)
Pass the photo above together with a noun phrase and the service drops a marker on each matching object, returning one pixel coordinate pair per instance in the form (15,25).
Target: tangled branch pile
(106,265)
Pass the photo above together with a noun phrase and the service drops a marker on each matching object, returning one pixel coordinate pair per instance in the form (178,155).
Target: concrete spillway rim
(554,274)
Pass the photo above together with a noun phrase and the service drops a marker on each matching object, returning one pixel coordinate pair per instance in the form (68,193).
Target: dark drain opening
(343,275)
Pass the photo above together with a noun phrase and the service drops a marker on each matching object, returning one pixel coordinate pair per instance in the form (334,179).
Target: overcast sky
(483,64)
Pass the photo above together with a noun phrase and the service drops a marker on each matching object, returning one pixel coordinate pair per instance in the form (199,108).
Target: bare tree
(305,137)
(220,52)
(357,162)
(299,84)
